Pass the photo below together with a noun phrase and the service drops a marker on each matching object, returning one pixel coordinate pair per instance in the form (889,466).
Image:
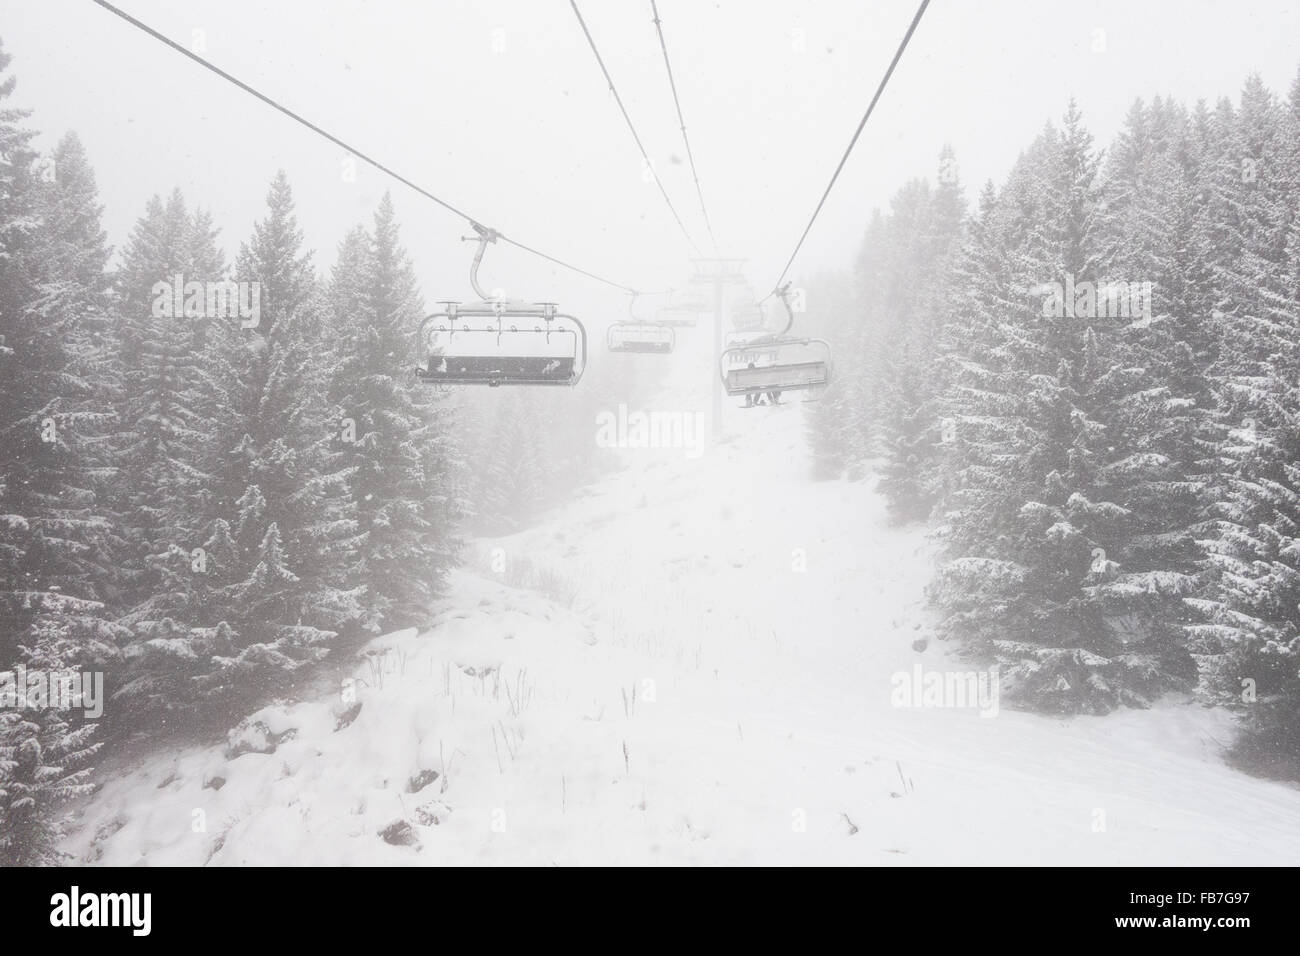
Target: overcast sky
(499,107)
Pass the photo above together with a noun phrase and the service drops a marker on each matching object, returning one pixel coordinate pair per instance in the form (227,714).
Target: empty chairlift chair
(499,341)
(634,335)
(746,314)
(684,309)
(502,343)
(639,337)
(777,363)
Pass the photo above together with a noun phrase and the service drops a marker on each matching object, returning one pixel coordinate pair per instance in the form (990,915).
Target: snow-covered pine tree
(1254,194)
(1033,526)
(1009,432)
(969,366)
(20,367)
(834,422)
(44,754)
(842,425)
(901,389)
(279,482)
(1164,422)
(167,447)
(168,391)
(1251,644)
(68,313)
(52,285)
(904,270)
(392,432)
(515,472)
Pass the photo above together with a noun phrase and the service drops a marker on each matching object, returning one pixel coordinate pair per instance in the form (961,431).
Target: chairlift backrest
(639,337)
(501,343)
(776,362)
(498,341)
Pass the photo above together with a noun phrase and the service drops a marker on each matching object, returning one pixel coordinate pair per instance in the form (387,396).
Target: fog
(978,545)
(500,108)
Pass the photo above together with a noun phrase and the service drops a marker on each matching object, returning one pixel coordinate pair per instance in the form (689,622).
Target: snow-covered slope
(701,666)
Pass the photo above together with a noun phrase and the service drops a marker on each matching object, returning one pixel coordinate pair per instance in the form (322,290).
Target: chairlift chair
(498,341)
(746,314)
(644,337)
(677,316)
(747,318)
(635,335)
(684,309)
(776,363)
(696,300)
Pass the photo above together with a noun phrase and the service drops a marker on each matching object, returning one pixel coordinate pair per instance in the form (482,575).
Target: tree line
(200,503)
(1088,386)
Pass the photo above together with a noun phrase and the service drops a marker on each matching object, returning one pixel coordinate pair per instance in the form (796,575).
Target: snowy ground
(697,668)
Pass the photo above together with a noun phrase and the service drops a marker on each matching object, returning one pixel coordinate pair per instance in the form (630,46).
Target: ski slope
(699,668)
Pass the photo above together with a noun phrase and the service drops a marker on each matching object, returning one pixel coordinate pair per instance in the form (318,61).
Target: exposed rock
(421,780)
(255,737)
(344,718)
(432,813)
(399,833)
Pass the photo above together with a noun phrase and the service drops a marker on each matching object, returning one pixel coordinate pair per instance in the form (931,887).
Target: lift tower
(718,273)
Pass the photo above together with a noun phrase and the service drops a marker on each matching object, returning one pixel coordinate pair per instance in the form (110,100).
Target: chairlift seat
(782,378)
(641,337)
(747,318)
(776,364)
(677,315)
(502,343)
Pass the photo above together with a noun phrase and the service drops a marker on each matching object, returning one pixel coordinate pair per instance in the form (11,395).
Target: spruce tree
(280,486)
(1251,641)
(390,431)
(52,616)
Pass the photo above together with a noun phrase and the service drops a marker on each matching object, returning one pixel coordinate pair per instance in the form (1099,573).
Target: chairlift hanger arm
(784,293)
(485,235)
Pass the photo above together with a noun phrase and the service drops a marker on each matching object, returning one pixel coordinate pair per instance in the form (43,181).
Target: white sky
(529,141)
